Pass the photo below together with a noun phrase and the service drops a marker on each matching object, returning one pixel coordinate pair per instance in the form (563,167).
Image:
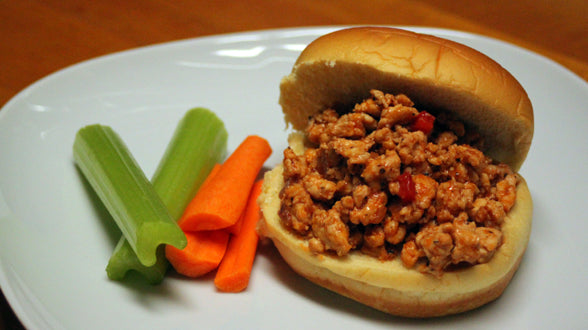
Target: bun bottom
(389,286)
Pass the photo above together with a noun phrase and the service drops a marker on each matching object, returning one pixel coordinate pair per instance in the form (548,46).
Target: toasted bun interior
(340,68)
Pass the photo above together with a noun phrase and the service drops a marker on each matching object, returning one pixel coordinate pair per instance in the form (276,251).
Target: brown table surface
(40,37)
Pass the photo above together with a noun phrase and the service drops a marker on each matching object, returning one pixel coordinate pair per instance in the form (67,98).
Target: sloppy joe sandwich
(400,185)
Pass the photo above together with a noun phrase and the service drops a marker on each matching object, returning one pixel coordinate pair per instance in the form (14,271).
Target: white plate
(55,240)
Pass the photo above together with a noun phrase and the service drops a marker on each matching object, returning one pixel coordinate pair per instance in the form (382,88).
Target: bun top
(340,68)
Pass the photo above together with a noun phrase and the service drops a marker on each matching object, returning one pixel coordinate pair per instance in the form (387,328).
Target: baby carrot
(235,268)
(220,203)
(203,253)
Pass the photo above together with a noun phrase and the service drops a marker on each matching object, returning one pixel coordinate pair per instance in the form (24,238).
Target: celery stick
(124,259)
(199,141)
(130,198)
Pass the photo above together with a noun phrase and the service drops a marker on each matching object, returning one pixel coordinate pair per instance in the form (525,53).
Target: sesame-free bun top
(340,68)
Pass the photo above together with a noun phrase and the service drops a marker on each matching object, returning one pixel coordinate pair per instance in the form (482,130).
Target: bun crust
(339,69)
(437,74)
(388,285)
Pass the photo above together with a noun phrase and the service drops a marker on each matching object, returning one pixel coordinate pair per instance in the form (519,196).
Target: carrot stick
(211,175)
(236,227)
(235,268)
(204,250)
(220,203)
(203,254)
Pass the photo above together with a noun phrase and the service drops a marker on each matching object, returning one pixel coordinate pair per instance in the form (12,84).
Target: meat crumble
(391,181)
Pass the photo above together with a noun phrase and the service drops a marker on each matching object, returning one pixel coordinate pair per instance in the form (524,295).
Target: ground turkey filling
(389,180)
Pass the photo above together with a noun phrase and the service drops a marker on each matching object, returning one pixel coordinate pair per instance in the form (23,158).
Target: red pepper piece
(407,191)
(423,122)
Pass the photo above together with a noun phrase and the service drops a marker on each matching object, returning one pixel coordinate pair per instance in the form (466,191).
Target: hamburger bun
(339,69)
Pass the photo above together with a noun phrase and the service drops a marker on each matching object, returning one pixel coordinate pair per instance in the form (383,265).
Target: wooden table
(40,37)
